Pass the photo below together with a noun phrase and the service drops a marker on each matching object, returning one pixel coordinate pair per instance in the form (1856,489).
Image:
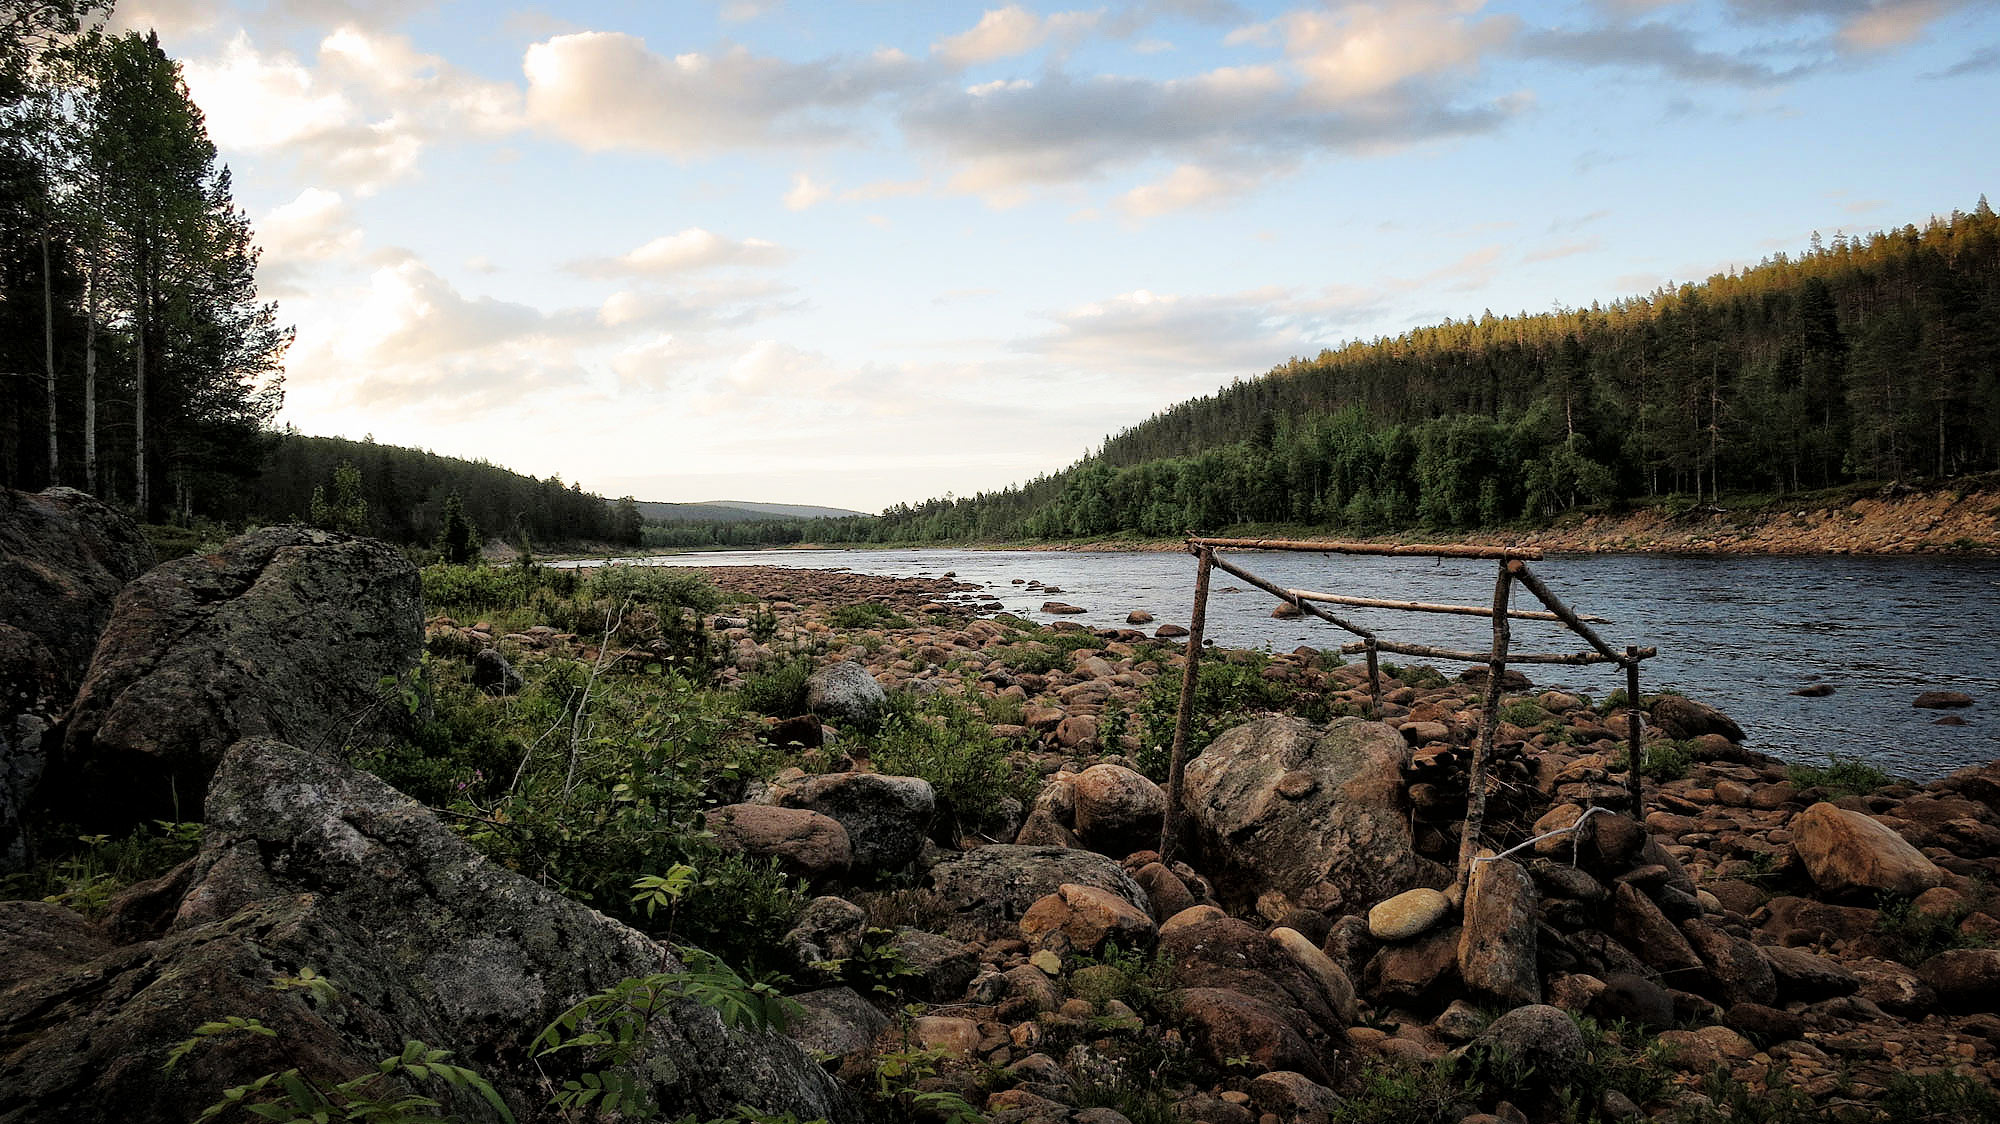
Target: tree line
(1873,358)
(136,360)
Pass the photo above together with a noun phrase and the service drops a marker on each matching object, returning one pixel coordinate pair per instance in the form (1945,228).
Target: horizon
(824,250)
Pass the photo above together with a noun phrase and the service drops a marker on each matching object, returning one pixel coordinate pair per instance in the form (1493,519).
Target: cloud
(1002,137)
(689,251)
(1860,25)
(1358,51)
(360,118)
(1189,185)
(607,90)
(1241,333)
(316,226)
(1013,30)
(1564,250)
(1658,46)
(805,193)
(1981,61)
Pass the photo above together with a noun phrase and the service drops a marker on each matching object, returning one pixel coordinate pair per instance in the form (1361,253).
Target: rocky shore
(1755,935)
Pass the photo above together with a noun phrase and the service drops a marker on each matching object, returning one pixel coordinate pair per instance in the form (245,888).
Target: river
(1737,632)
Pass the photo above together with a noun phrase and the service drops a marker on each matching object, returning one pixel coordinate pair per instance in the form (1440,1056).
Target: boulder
(1058,608)
(940,968)
(492,673)
(1420,972)
(1084,919)
(1808,976)
(286,633)
(1965,979)
(1228,1025)
(1647,932)
(1165,891)
(1849,852)
(309,863)
(1683,718)
(827,929)
(1278,804)
(1941,700)
(987,890)
(1222,952)
(1117,810)
(1544,1040)
(805,842)
(1737,971)
(845,693)
(1407,914)
(836,1021)
(63,558)
(886,818)
(41,938)
(1496,949)
(1335,986)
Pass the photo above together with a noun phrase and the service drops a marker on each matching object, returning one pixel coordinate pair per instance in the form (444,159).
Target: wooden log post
(1634,778)
(1489,729)
(1170,829)
(1374,678)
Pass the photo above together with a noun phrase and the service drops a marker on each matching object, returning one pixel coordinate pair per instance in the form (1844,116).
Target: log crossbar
(1416,550)
(1513,568)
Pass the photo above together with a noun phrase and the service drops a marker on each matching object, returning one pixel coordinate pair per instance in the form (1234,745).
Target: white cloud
(361,117)
(1009,31)
(688,251)
(1189,185)
(805,193)
(607,90)
(1238,333)
(1360,51)
(315,226)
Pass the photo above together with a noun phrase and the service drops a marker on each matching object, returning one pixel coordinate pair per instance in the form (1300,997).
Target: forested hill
(1868,358)
(402,494)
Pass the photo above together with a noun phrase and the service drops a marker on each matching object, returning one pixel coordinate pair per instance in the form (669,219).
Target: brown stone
(1116,808)
(803,841)
(1083,918)
(1496,950)
(1640,925)
(1848,851)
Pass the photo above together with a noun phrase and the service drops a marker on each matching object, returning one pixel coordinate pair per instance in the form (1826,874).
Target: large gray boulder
(886,818)
(310,863)
(286,632)
(63,558)
(845,693)
(986,891)
(1282,805)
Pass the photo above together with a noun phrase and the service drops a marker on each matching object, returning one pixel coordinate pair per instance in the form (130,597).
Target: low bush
(777,689)
(1842,775)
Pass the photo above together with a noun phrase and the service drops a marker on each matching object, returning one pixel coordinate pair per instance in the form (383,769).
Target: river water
(1740,633)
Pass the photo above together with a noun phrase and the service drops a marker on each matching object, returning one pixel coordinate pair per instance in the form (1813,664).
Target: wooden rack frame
(1512,569)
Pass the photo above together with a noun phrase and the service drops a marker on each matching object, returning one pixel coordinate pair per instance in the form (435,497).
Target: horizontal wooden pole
(1427,607)
(1433,550)
(1461,655)
(1285,596)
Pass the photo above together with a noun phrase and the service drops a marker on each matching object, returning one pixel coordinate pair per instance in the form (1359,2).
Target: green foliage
(1226,693)
(343,509)
(777,689)
(1030,658)
(292,1095)
(1917,935)
(474,589)
(661,587)
(84,872)
(458,539)
(1842,775)
(763,624)
(1418,675)
(1524,713)
(1662,761)
(952,746)
(868,615)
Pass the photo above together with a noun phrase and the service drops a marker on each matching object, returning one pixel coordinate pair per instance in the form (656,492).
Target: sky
(868,252)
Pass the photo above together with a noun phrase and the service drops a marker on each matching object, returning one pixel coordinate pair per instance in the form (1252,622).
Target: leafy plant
(1842,775)
(777,689)
(867,615)
(947,743)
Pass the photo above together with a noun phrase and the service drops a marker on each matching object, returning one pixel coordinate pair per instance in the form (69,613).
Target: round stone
(1407,914)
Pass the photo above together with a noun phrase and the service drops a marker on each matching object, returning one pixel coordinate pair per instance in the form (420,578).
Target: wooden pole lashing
(1634,778)
(1427,607)
(1459,655)
(1547,597)
(1489,726)
(1170,829)
(1284,595)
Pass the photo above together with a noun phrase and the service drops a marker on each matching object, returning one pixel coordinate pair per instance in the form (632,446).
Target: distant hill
(735,511)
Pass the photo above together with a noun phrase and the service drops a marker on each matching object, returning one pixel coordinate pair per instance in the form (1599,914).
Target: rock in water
(63,558)
(844,692)
(286,632)
(1263,828)
(1685,718)
(310,863)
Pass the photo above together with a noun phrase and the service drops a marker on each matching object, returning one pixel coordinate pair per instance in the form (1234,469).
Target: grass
(868,615)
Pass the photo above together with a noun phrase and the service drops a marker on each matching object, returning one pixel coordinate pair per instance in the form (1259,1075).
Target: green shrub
(1842,775)
(1030,657)
(475,589)
(945,742)
(1225,692)
(1916,935)
(1524,713)
(866,615)
(1415,675)
(661,587)
(777,689)
(83,872)
(1663,761)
